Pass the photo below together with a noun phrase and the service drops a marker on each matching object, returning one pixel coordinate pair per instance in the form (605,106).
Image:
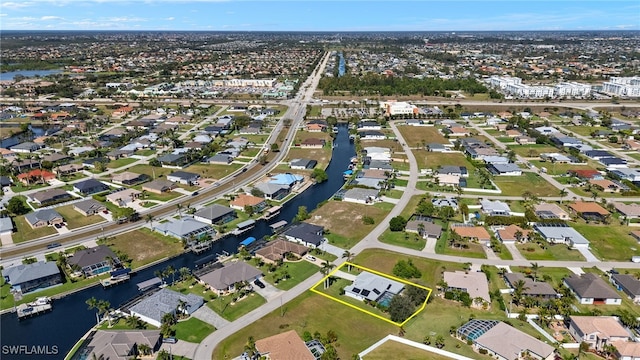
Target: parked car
(54,245)
(170,340)
(259,284)
(311,258)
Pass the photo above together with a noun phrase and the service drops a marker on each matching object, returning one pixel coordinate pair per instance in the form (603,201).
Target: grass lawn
(553,274)
(583,130)
(335,287)
(334,214)
(165,196)
(433,160)
(558,169)
(75,220)
(516,185)
(121,324)
(609,242)
(416,136)
(121,162)
(396,350)
(193,330)
(321,155)
(532,251)
(144,247)
(150,170)
(473,251)
(146,152)
(25,232)
(298,272)
(402,238)
(19,187)
(224,307)
(215,171)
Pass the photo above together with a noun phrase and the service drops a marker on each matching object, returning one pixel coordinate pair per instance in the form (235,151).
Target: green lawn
(75,220)
(298,271)
(558,169)
(402,238)
(532,251)
(533,150)
(193,330)
(396,350)
(215,171)
(516,185)
(18,187)
(552,275)
(224,307)
(473,251)
(416,136)
(114,164)
(144,246)
(609,242)
(25,232)
(432,160)
(150,171)
(146,152)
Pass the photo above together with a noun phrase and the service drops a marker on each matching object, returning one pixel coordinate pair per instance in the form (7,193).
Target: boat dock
(201,247)
(149,284)
(40,306)
(280,224)
(106,283)
(244,226)
(272,212)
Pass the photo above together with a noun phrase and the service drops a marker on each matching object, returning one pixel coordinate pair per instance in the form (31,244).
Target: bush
(368,220)
(406,269)
(397,223)
(483,351)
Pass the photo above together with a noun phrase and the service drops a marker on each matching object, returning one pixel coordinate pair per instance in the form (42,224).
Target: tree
(349,256)
(93,304)
(416,294)
(519,287)
(534,269)
(397,223)
(170,270)
(179,207)
(562,193)
(446,213)
(325,270)
(406,269)
(149,219)
(17,207)
(144,349)
(274,147)
(319,175)
(302,214)
(439,341)
(400,308)
(250,348)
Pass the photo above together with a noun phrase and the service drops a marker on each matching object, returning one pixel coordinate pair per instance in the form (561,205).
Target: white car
(311,258)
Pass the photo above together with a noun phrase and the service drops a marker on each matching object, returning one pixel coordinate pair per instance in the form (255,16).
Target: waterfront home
(224,279)
(26,147)
(94,261)
(243,200)
(159,186)
(272,191)
(129,178)
(151,309)
(377,153)
(312,143)
(215,214)
(287,179)
(89,207)
(185,228)
(90,186)
(44,217)
(183,177)
(303,164)
(537,289)
(628,284)
(286,346)
(123,197)
(307,234)
(120,344)
(278,249)
(590,289)
(25,278)
(371,135)
(372,287)
(597,331)
(472,282)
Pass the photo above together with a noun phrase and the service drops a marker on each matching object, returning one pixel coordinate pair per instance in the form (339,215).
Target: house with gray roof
(307,234)
(6,225)
(50,196)
(90,186)
(590,289)
(424,228)
(509,169)
(94,261)
(303,164)
(151,309)
(26,147)
(185,229)
(25,278)
(120,344)
(361,196)
(89,207)
(223,280)
(460,171)
(273,191)
(44,217)
(537,289)
(223,159)
(173,160)
(372,287)
(442,202)
(561,234)
(495,208)
(183,177)
(628,284)
(215,214)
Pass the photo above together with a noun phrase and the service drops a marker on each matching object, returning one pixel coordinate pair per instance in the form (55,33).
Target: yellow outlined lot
(313,288)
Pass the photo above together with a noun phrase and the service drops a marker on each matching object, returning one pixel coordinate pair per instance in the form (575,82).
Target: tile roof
(475,283)
(494,339)
(230,274)
(477,232)
(590,207)
(243,200)
(285,346)
(605,326)
(276,249)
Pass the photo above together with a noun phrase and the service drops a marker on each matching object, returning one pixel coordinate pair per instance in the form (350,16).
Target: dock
(272,212)
(149,284)
(280,224)
(244,226)
(199,248)
(40,306)
(107,283)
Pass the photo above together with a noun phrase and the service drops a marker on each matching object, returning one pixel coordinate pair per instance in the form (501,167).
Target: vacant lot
(396,350)
(75,220)
(533,251)
(322,155)
(335,214)
(421,135)
(517,185)
(215,171)
(433,160)
(533,150)
(610,242)
(559,169)
(25,232)
(193,330)
(121,162)
(144,246)
(150,171)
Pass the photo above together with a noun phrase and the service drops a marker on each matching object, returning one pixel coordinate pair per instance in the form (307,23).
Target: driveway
(331,249)
(181,348)
(269,292)
(515,253)
(587,254)
(209,316)
(6,239)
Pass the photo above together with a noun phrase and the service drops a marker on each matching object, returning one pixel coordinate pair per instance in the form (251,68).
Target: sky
(319,15)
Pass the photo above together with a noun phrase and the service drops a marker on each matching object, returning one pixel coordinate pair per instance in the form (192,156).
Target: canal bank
(70,318)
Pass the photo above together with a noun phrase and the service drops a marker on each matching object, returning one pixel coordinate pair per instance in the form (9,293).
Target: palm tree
(250,348)
(105,308)
(184,273)
(159,274)
(170,270)
(562,193)
(519,288)
(325,270)
(93,304)
(149,218)
(182,307)
(349,256)
(534,269)
(179,207)
(144,349)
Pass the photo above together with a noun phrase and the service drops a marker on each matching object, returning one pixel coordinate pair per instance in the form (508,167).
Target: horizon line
(321,31)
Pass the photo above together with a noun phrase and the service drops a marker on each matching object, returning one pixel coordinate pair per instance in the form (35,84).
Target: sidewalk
(210,317)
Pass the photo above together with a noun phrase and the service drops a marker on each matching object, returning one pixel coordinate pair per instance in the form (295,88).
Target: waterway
(10,75)
(341,65)
(70,318)
(16,139)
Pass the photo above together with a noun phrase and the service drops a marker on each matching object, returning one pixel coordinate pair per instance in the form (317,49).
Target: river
(70,318)
(10,75)
(341,65)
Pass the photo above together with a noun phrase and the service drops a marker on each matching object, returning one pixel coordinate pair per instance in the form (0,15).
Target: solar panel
(365,293)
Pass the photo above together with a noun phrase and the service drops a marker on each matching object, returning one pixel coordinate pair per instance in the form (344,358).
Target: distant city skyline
(318,15)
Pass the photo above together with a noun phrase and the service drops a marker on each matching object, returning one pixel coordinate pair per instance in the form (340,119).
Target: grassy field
(533,251)
(559,169)
(473,251)
(554,274)
(516,185)
(321,155)
(396,350)
(150,170)
(404,239)
(215,171)
(75,220)
(433,160)
(114,164)
(609,242)
(298,272)
(25,232)
(417,135)
(193,330)
(224,307)
(334,214)
(144,246)
(583,130)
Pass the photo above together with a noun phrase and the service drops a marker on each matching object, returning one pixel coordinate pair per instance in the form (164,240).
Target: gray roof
(532,288)
(119,344)
(379,164)
(230,274)
(368,182)
(309,233)
(449,169)
(47,195)
(88,205)
(270,188)
(372,286)
(22,273)
(184,175)
(166,301)
(44,215)
(590,285)
(169,158)
(495,206)
(561,232)
(494,339)
(183,227)
(90,185)
(629,283)
(306,163)
(214,212)
(6,224)
(91,256)
(439,202)
(503,168)
(430,228)
(361,194)
(220,158)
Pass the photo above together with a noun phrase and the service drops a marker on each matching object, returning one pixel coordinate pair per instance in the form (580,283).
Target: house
(472,232)
(25,278)
(5,181)
(636,234)
(372,287)
(26,147)
(626,350)
(272,191)
(276,250)
(630,211)
(183,177)
(219,158)
(457,131)
(449,180)
(550,211)
(434,147)
(6,226)
(68,169)
(89,207)
(537,289)
(590,289)
(129,178)
(51,196)
(313,127)
(586,174)
(512,233)
(151,309)
(525,140)
(442,202)
(36,176)
(626,174)
(223,280)
(44,217)
(285,346)
(371,135)
(495,208)
(243,200)
(555,158)
(427,229)
(120,344)
(303,164)
(512,133)
(94,261)
(628,284)
(561,234)
(490,336)
(608,186)
(90,186)
(598,154)
(508,169)
(460,171)
(174,160)
(287,179)
(378,153)
(360,195)
(613,163)
(474,283)
(123,197)
(369,124)
(312,143)
(307,234)
(589,210)
(186,228)
(495,160)
(597,331)
(215,214)
(159,186)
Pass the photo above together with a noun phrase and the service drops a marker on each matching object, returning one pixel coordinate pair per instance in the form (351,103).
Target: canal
(70,318)
(16,139)
(341,65)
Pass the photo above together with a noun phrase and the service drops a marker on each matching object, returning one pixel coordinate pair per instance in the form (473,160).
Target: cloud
(16,5)
(1,15)
(170,18)
(125,19)
(45,18)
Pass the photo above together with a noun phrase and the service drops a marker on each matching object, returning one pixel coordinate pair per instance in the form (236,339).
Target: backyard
(75,220)
(395,350)
(298,271)
(321,155)
(560,252)
(609,242)
(25,232)
(144,247)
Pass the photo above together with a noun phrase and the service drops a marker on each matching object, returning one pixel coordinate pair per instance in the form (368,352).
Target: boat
(40,306)
(279,225)
(117,277)
(244,227)
(248,241)
(272,212)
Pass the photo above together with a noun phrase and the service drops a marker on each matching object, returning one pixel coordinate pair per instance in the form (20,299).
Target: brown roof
(313,141)
(605,184)
(285,346)
(509,232)
(606,326)
(588,207)
(477,232)
(243,200)
(627,349)
(276,249)
(628,210)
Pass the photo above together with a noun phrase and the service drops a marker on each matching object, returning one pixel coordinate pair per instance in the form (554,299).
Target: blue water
(27,73)
(20,138)
(70,318)
(341,65)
